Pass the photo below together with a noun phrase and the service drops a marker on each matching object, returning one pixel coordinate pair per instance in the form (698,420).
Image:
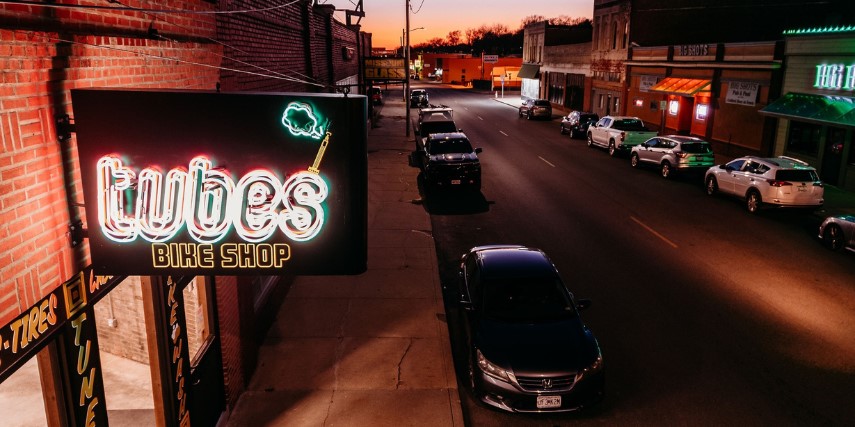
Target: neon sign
(835,77)
(207,202)
(190,183)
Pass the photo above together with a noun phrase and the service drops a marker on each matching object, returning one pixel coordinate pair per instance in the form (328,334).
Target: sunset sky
(385,19)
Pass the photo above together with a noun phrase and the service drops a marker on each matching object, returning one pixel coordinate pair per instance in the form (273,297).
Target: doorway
(832,156)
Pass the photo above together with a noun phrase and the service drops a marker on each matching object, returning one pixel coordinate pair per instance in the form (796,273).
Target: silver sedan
(838,232)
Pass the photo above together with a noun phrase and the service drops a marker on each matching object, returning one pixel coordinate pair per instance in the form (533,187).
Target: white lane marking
(664,239)
(545,161)
(480,118)
(503,133)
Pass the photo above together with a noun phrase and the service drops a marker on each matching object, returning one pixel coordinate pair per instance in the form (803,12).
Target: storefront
(712,91)
(530,75)
(817,109)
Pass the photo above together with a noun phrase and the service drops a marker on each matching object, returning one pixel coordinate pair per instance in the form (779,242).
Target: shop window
(615,105)
(701,112)
(673,107)
(654,105)
(803,138)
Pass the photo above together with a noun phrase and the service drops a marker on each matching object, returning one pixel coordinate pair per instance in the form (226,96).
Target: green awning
(823,109)
(529,71)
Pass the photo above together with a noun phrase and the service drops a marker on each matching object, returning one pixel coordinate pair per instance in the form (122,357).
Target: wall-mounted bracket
(64,127)
(77,233)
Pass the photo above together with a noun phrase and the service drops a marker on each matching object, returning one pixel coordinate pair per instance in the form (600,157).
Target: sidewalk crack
(401,362)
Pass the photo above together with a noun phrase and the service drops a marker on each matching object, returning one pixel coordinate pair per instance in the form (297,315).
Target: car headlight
(592,369)
(490,369)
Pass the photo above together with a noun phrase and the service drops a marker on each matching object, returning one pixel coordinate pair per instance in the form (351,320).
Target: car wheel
(712,185)
(528,115)
(564,131)
(633,160)
(573,133)
(666,170)
(833,237)
(753,201)
(612,149)
(590,140)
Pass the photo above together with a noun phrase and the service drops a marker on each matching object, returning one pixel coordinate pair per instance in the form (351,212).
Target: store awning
(680,86)
(838,110)
(529,71)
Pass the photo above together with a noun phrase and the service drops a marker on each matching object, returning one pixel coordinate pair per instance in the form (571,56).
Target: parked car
(673,153)
(618,133)
(536,108)
(449,161)
(838,232)
(433,120)
(376,95)
(527,347)
(577,122)
(776,182)
(419,98)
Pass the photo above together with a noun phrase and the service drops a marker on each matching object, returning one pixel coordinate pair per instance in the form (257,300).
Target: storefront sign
(742,93)
(835,77)
(201,183)
(646,82)
(385,69)
(693,50)
(491,59)
(30,331)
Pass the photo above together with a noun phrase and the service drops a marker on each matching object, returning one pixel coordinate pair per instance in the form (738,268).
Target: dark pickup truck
(448,160)
(433,120)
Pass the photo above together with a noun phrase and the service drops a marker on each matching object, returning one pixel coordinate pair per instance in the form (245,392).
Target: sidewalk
(367,350)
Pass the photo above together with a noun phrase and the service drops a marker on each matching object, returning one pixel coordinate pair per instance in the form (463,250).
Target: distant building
(557,63)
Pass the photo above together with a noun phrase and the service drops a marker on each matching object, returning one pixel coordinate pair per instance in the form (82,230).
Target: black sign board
(207,183)
(34,328)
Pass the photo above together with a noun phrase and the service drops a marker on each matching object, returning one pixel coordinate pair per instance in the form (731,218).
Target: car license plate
(802,188)
(455,182)
(545,402)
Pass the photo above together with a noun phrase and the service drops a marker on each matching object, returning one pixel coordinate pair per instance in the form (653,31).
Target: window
(803,138)
(701,111)
(673,107)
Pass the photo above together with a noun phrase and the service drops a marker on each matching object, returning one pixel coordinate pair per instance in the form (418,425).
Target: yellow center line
(664,239)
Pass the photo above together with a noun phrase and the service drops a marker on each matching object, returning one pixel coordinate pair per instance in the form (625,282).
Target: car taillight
(622,136)
(681,154)
(778,183)
(817,184)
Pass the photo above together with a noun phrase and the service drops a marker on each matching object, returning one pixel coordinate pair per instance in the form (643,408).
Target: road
(706,315)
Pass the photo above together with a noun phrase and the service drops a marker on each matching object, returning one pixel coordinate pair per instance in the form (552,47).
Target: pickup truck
(618,133)
(433,120)
(448,161)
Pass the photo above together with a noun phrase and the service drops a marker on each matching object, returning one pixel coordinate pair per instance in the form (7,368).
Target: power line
(125,8)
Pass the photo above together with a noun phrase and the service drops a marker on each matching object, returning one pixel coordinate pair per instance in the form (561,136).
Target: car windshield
(629,124)
(796,175)
(529,300)
(450,146)
(697,147)
(541,103)
(438,127)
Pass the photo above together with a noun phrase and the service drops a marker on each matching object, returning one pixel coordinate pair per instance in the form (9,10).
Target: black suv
(418,98)
(577,122)
(448,160)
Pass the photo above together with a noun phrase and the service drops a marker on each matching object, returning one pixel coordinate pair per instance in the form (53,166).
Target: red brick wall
(45,52)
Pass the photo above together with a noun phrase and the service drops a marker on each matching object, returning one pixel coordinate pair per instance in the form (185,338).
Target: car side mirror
(582,304)
(724,167)
(478,150)
(460,130)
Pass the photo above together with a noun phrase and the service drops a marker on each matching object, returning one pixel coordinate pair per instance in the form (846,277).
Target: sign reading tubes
(204,183)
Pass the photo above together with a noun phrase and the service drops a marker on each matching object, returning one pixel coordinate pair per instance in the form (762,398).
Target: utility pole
(407,66)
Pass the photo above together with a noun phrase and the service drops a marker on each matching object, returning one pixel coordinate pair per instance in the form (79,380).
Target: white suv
(778,182)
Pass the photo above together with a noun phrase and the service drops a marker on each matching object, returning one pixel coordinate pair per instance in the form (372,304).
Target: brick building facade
(47,50)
